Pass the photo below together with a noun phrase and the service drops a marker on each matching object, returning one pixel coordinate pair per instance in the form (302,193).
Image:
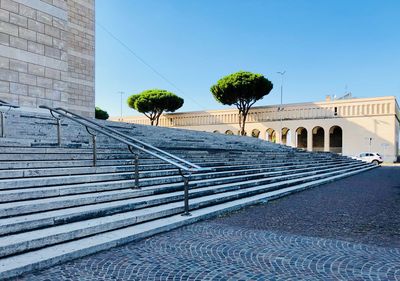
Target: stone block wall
(47,53)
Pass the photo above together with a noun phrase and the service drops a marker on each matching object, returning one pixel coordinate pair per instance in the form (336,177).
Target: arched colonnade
(316,139)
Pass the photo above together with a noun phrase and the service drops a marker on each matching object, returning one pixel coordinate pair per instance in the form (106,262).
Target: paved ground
(347,230)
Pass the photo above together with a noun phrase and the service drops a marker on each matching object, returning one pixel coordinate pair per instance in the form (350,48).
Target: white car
(370,157)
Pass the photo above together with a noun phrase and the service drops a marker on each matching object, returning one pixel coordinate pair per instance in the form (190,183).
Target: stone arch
(271,135)
(301,137)
(229,132)
(286,136)
(216,131)
(318,139)
(255,133)
(336,139)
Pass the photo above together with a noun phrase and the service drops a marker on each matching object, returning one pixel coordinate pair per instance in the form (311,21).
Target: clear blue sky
(323,46)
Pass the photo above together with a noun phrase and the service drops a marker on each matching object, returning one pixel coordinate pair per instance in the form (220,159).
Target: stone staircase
(56,206)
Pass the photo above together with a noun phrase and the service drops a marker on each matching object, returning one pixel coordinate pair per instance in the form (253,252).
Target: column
(263,134)
(309,139)
(293,136)
(278,136)
(326,139)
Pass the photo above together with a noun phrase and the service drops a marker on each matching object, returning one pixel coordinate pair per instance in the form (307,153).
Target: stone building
(346,126)
(47,53)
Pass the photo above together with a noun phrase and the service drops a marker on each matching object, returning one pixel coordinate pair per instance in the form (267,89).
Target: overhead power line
(147,64)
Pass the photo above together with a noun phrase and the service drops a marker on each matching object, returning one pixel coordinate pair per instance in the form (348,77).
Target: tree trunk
(243,117)
(240,122)
(158,115)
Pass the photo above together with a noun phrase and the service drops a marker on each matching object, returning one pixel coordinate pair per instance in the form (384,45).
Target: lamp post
(369,140)
(121,93)
(280,109)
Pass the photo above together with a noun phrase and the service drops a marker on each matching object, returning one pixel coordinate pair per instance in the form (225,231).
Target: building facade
(47,53)
(347,126)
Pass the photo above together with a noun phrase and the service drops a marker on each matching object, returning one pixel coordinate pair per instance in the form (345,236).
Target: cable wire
(147,64)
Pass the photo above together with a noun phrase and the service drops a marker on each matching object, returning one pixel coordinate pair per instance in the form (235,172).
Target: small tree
(152,103)
(100,114)
(242,89)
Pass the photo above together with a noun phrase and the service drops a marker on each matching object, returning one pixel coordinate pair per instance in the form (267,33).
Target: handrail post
(2,116)
(136,167)
(2,123)
(137,186)
(94,150)
(185,193)
(58,128)
(94,146)
(58,132)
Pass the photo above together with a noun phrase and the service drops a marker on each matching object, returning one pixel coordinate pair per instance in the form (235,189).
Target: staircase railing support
(2,123)
(58,120)
(94,146)
(136,167)
(58,132)
(186,179)
(2,116)
(137,171)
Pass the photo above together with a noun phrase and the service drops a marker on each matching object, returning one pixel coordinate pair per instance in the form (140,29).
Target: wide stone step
(171,176)
(60,150)
(10,164)
(39,205)
(29,153)
(70,214)
(218,171)
(81,163)
(28,188)
(59,171)
(28,241)
(123,149)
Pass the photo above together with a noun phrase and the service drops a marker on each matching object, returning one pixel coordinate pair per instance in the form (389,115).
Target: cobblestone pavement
(364,208)
(313,235)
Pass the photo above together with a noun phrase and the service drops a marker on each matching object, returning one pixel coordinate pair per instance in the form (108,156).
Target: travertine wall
(47,53)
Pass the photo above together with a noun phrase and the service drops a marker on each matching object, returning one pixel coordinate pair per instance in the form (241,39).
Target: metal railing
(2,115)
(93,128)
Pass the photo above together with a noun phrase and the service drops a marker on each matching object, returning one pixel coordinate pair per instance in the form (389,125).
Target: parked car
(370,157)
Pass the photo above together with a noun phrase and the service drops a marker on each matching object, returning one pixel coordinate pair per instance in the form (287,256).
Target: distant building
(47,53)
(347,126)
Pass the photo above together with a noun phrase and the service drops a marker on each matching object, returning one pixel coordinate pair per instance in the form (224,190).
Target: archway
(301,138)
(255,133)
(318,139)
(336,139)
(271,135)
(229,132)
(286,136)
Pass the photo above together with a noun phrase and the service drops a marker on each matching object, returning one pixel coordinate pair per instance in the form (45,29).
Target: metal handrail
(184,171)
(7,104)
(191,165)
(2,114)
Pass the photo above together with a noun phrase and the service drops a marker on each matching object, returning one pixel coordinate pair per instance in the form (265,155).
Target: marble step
(218,172)
(64,201)
(11,164)
(70,214)
(59,171)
